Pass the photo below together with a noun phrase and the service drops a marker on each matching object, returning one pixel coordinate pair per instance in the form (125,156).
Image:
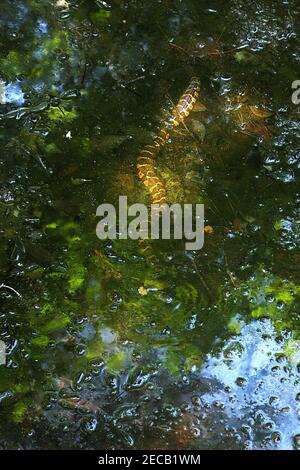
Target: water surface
(107,348)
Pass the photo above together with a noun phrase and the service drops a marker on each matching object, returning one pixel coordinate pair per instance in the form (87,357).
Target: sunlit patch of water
(259,386)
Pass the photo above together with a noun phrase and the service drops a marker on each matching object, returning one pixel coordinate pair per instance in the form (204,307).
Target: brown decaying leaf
(260,113)
(81,404)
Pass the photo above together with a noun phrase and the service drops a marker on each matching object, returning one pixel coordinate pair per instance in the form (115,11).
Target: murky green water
(107,348)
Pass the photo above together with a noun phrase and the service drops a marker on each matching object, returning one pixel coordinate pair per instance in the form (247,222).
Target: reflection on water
(259,386)
(121,344)
(12,93)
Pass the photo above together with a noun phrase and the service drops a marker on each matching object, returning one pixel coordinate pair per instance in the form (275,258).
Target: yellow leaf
(142,290)
(208,229)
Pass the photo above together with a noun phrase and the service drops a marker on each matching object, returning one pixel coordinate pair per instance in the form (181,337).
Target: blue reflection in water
(260,385)
(14,94)
(42,27)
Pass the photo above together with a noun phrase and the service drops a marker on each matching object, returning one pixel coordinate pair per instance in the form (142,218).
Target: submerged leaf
(260,113)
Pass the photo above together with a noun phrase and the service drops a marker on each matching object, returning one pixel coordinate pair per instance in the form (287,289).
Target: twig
(4,286)
(202,279)
(171,44)
(84,74)
(230,51)
(229,273)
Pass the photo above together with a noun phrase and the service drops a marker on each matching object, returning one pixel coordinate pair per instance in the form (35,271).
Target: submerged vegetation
(122,344)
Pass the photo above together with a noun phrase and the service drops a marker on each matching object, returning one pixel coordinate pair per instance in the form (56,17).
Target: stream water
(107,347)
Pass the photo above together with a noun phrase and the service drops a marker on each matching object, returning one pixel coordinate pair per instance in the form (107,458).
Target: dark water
(107,348)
